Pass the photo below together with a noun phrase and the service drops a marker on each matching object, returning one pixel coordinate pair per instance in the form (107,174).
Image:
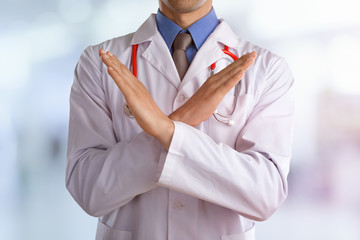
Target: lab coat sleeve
(251,179)
(103,174)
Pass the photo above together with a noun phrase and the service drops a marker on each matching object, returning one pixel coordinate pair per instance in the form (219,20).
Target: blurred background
(41,41)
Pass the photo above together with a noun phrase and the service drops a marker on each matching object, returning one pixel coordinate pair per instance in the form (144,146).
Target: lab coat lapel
(157,53)
(211,51)
(225,35)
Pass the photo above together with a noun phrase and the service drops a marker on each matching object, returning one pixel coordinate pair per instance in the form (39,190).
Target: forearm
(249,175)
(247,182)
(101,180)
(198,108)
(104,170)
(147,114)
(166,135)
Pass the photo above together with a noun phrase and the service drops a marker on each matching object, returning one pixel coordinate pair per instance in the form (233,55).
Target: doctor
(147,156)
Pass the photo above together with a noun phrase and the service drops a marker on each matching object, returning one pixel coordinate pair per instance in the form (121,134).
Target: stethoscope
(223,118)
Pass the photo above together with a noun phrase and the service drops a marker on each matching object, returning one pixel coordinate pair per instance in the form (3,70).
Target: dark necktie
(181,43)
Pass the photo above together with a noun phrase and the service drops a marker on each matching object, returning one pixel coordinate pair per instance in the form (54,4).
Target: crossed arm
(196,110)
(104,174)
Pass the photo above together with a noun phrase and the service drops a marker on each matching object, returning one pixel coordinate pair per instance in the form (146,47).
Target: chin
(184,6)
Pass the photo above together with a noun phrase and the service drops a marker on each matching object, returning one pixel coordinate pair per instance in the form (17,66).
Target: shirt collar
(200,30)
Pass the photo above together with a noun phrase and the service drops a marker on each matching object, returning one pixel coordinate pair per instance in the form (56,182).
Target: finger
(228,74)
(119,65)
(119,72)
(238,70)
(224,75)
(248,60)
(108,60)
(107,57)
(243,63)
(111,61)
(228,78)
(114,68)
(118,79)
(111,57)
(237,67)
(101,52)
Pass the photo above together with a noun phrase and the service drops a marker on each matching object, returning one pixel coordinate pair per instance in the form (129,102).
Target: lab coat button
(178,205)
(181,98)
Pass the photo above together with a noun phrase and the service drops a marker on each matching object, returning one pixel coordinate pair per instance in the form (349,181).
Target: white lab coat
(215,180)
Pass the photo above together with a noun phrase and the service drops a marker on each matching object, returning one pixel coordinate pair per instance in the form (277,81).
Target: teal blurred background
(41,41)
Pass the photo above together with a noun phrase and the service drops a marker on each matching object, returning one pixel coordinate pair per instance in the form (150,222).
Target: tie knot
(182,41)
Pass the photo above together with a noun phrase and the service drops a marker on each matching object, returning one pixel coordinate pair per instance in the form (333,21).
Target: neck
(185,19)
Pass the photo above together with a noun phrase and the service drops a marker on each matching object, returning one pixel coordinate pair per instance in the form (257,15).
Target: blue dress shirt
(200,31)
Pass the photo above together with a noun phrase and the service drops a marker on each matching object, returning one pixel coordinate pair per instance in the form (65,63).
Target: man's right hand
(204,102)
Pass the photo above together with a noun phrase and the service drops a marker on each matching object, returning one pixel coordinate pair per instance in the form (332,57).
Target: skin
(201,105)
(185,12)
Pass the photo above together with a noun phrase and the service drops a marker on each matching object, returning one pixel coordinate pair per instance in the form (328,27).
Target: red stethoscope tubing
(212,67)
(226,51)
(133,59)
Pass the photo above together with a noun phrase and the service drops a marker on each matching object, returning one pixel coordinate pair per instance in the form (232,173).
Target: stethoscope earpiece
(218,116)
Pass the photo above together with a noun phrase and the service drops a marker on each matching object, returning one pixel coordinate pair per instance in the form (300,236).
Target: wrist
(166,133)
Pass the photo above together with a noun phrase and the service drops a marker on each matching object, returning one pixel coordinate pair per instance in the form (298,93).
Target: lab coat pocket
(105,232)
(230,118)
(248,235)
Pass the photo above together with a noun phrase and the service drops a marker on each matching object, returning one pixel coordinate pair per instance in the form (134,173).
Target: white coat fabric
(215,180)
